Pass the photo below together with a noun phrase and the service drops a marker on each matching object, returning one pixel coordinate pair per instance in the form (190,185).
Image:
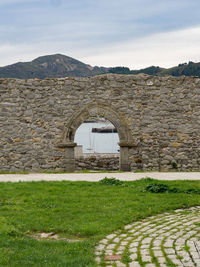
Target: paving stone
(109,252)
(158,253)
(134,244)
(178,262)
(157,242)
(128,238)
(111,246)
(189,264)
(103,242)
(121,248)
(169,243)
(100,247)
(185,260)
(133,256)
(161,259)
(111,236)
(98,259)
(112,257)
(146,258)
(120,264)
(169,251)
(146,240)
(144,246)
(124,243)
(164,234)
(128,226)
(116,240)
(195,255)
(134,264)
(132,231)
(144,251)
(134,249)
(150,231)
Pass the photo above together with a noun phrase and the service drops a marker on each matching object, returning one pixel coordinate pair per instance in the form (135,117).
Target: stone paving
(169,239)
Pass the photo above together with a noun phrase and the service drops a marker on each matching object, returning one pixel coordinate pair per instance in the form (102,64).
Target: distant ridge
(58,66)
(187,69)
(51,66)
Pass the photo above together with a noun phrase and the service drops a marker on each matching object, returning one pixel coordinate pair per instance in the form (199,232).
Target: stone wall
(97,162)
(157,119)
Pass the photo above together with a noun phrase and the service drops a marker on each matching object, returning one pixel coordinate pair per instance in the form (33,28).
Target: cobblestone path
(169,239)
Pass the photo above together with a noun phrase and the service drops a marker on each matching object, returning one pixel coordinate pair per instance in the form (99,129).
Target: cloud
(11,2)
(10,53)
(163,49)
(99,22)
(134,33)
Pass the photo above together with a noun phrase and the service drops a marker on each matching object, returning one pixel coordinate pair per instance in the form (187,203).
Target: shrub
(111,181)
(192,191)
(163,188)
(157,188)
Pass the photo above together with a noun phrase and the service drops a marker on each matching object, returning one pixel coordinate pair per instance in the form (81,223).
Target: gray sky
(132,33)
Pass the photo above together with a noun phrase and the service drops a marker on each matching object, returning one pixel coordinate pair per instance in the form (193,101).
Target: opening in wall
(97,145)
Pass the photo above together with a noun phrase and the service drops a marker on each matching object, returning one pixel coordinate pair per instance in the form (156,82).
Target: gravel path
(163,240)
(94,177)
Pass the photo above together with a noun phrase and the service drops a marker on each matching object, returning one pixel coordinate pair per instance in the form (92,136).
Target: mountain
(52,66)
(58,66)
(187,69)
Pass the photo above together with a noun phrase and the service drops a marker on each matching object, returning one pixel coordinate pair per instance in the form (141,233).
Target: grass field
(84,211)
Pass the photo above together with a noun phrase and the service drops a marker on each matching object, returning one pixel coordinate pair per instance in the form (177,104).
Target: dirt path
(94,177)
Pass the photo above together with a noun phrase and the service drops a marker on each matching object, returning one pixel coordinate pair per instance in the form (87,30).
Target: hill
(52,66)
(58,66)
(187,69)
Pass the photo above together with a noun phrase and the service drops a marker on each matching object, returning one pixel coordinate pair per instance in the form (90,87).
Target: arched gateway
(96,110)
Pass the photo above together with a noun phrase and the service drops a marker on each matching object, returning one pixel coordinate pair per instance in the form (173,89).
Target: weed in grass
(111,181)
(192,191)
(147,179)
(157,188)
(179,257)
(115,182)
(6,228)
(164,188)
(126,257)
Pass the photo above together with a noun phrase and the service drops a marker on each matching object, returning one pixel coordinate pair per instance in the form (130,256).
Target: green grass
(84,210)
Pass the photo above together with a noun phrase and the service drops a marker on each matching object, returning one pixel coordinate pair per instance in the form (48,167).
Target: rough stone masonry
(157,119)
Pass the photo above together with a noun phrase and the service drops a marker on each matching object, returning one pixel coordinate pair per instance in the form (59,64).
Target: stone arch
(98,110)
